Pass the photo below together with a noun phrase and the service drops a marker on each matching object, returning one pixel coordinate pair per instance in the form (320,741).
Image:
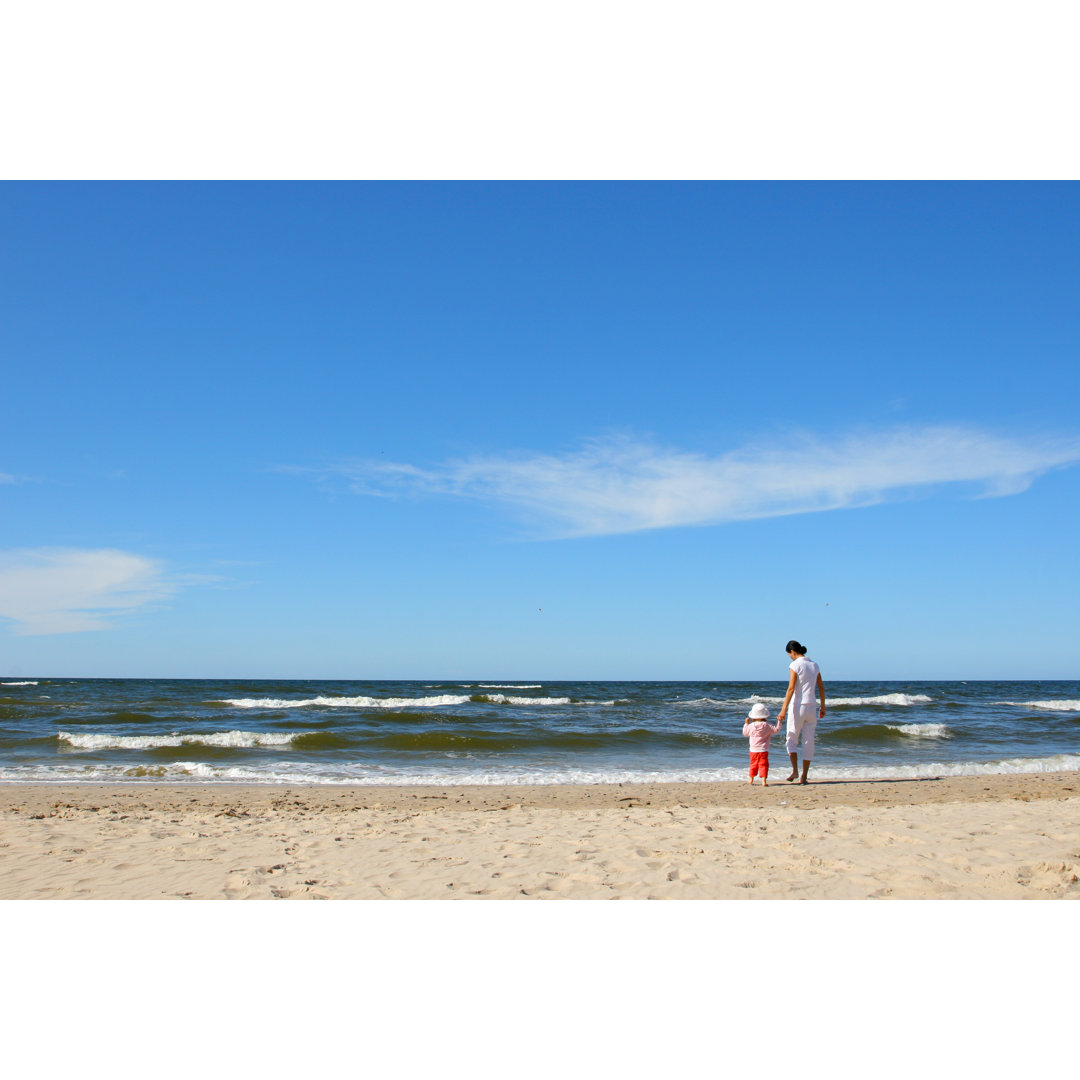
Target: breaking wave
(222,739)
(903,700)
(502,699)
(900,700)
(922,731)
(432,702)
(359,774)
(1061,705)
(870,733)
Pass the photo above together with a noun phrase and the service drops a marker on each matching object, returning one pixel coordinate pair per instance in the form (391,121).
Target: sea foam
(224,739)
(433,702)
(922,731)
(502,699)
(901,700)
(348,702)
(1060,705)
(309,773)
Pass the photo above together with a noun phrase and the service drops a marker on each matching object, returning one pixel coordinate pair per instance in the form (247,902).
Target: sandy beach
(993,837)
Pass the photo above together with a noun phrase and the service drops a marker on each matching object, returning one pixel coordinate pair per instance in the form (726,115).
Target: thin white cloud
(67,590)
(624,485)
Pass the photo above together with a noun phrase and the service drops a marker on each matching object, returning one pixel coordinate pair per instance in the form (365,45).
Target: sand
(994,837)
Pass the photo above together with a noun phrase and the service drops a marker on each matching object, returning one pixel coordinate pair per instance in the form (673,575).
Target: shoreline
(849,792)
(998,836)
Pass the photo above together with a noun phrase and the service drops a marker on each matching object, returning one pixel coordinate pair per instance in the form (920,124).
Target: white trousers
(802,722)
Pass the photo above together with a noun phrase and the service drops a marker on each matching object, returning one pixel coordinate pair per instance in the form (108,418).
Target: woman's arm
(821,694)
(790,691)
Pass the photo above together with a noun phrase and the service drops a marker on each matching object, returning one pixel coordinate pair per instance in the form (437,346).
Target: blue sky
(551,430)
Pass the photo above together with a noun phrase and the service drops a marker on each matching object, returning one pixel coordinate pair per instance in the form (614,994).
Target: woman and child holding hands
(804,682)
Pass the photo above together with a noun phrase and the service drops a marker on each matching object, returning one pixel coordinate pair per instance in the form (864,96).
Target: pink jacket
(759,733)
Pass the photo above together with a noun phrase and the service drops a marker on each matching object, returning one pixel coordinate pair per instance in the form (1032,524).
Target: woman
(805,679)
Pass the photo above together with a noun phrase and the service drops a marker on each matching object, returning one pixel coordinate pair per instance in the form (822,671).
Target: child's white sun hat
(758,712)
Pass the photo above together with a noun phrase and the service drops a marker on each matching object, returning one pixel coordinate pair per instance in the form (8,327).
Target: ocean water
(372,732)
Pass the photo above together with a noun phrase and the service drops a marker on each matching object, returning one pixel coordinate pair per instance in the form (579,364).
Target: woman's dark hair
(794,646)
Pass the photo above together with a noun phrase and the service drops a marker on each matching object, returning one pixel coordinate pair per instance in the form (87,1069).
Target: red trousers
(759,764)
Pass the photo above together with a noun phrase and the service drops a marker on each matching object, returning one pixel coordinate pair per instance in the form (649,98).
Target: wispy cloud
(622,484)
(66,590)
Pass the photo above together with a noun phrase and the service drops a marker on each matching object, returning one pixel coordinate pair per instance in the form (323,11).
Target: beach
(1012,836)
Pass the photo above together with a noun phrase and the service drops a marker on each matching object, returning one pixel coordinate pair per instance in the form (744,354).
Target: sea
(506,732)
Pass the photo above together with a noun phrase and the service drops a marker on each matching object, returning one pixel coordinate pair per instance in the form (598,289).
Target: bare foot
(793,776)
(764,783)
(803,780)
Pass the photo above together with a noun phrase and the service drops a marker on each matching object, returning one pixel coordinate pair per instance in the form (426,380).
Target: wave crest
(922,731)
(347,702)
(1054,705)
(502,699)
(360,774)
(222,739)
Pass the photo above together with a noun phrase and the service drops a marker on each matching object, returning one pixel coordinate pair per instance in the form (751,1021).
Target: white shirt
(806,676)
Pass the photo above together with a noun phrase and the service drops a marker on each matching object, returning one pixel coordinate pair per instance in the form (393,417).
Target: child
(759,732)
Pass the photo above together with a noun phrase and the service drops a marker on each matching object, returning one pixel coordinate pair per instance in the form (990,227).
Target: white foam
(280,772)
(238,739)
(922,731)
(903,700)
(432,702)
(1060,705)
(879,699)
(1057,763)
(19,684)
(347,702)
(510,686)
(357,774)
(501,699)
